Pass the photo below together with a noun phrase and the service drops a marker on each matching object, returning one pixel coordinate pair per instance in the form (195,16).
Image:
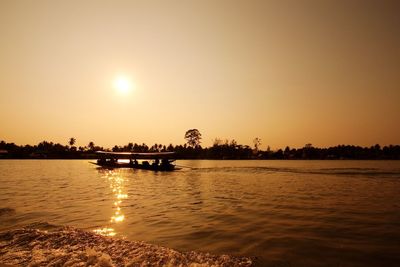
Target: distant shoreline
(255,159)
(226,151)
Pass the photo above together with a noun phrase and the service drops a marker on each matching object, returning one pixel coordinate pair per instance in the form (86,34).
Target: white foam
(73,247)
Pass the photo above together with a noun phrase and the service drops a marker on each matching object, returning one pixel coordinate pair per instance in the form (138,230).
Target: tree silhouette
(217,142)
(193,137)
(129,146)
(72,141)
(91,146)
(257,143)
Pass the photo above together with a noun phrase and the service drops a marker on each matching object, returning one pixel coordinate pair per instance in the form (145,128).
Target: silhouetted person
(155,163)
(164,162)
(145,163)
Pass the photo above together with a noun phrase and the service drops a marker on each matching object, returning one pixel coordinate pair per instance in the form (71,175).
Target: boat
(160,161)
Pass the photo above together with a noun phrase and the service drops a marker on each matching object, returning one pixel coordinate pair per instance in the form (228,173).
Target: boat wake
(370,172)
(68,246)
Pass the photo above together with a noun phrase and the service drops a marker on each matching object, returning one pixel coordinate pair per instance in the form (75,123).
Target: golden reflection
(118,218)
(105,231)
(117,187)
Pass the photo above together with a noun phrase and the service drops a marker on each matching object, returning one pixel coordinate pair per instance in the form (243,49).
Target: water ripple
(286,213)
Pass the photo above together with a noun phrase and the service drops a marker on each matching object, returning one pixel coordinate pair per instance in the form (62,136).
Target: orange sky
(288,72)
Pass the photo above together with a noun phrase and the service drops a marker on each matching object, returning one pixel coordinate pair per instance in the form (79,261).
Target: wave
(328,171)
(6,211)
(68,246)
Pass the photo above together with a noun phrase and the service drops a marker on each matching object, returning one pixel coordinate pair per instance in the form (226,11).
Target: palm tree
(91,146)
(72,141)
(257,143)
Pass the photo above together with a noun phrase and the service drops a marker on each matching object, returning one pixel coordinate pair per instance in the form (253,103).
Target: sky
(288,72)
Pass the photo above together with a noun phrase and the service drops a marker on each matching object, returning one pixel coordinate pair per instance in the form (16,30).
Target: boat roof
(136,155)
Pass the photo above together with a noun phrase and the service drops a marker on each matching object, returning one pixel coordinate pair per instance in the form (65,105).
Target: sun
(122,84)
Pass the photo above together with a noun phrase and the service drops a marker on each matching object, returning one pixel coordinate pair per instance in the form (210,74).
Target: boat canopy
(134,155)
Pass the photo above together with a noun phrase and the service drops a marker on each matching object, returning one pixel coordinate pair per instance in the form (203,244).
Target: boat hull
(137,166)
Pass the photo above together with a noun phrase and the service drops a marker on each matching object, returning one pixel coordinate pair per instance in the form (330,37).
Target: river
(281,213)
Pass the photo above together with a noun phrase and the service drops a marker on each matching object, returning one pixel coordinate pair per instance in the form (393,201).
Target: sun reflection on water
(105,231)
(117,187)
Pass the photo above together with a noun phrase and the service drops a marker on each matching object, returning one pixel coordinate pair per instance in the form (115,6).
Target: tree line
(192,149)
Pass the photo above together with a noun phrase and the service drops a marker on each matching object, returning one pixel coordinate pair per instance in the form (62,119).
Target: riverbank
(68,246)
(227,150)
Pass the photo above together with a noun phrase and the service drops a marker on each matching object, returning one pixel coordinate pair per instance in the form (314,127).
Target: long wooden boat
(161,161)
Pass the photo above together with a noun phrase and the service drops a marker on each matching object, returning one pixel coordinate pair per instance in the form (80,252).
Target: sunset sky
(113,72)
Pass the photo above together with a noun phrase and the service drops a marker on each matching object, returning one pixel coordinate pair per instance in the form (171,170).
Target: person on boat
(155,163)
(165,162)
(145,163)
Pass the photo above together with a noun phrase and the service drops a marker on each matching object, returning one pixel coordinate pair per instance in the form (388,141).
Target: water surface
(285,213)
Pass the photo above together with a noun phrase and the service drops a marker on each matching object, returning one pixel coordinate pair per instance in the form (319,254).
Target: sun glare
(122,84)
